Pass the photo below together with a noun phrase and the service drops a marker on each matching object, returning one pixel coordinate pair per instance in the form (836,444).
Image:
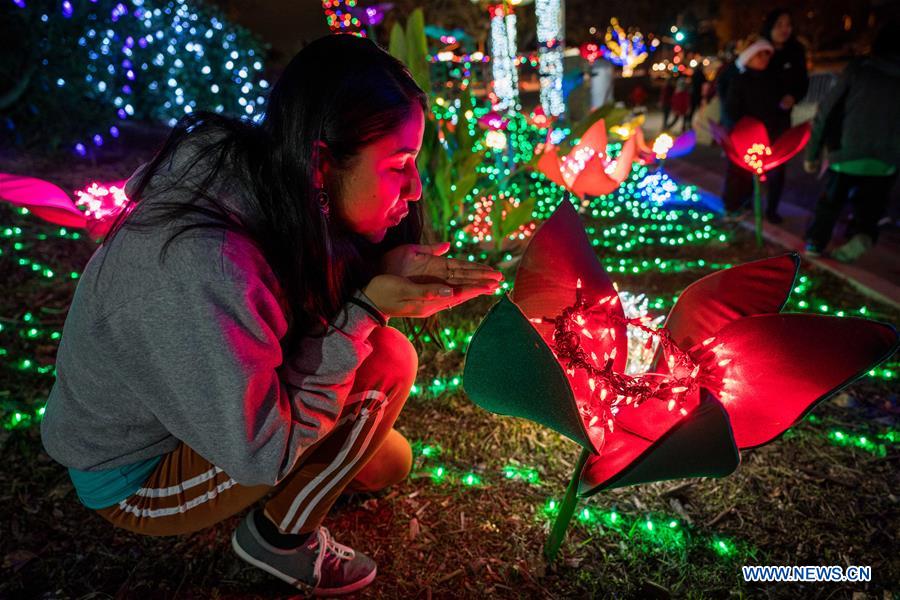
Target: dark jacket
(756,94)
(788,66)
(724,79)
(860,117)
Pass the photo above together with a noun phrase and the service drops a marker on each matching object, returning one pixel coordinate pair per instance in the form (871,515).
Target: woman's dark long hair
(342,90)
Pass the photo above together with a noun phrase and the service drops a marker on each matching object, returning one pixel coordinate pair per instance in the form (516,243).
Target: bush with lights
(76,70)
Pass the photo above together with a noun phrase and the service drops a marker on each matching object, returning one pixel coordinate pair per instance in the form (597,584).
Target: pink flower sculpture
(101,202)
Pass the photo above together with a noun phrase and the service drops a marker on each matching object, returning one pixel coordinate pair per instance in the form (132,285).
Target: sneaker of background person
(813,250)
(858,245)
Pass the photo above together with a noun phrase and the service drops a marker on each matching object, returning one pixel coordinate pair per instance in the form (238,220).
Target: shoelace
(327,544)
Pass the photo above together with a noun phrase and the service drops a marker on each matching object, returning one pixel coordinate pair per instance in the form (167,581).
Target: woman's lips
(395,220)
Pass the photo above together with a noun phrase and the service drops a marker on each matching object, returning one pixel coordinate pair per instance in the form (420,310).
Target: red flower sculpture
(748,146)
(587,170)
(732,372)
(493,121)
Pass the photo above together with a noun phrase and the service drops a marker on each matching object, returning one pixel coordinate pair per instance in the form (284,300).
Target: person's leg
(775,179)
(737,187)
(828,209)
(184,494)
(869,204)
(187,493)
(870,199)
(286,539)
(379,391)
(390,465)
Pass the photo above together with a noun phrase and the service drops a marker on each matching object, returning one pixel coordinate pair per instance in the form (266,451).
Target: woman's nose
(414,187)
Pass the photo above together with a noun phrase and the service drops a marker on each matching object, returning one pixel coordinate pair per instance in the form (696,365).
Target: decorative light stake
(730,371)
(748,147)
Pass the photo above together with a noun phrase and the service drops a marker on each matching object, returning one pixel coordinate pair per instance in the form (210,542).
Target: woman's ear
(323,164)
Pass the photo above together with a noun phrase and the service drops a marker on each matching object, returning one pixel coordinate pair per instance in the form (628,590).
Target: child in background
(754,92)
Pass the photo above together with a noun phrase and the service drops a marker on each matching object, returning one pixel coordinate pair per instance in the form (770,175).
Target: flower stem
(566,510)
(757,209)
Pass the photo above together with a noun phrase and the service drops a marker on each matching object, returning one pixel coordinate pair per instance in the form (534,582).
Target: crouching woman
(229,339)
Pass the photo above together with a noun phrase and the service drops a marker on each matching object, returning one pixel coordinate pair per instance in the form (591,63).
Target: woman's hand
(398,296)
(426,264)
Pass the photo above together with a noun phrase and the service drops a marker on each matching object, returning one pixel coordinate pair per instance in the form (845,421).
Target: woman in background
(788,68)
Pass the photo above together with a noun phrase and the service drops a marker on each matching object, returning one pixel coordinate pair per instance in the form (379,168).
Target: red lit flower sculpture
(731,372)
(587,170)
(100,202)
(748,147)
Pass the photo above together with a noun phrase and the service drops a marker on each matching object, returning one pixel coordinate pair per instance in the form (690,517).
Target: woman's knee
(390,465)
(394,354)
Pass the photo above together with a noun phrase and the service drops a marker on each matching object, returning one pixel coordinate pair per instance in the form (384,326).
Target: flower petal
(652,418)
(683,144)
(593,181)
(44,199)
(789,144)
(708,304)
(550,166)
(700,445)
(641,142)
(510,371)
(624,161)
(769,370)
(747,132)
(594,138)
(558,256)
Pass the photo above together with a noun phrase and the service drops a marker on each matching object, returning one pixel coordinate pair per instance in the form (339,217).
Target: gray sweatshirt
(188,350)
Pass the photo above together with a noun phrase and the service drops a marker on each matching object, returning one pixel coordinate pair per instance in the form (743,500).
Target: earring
(323,200)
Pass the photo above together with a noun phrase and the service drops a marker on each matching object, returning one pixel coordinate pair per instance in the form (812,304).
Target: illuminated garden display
(637,337)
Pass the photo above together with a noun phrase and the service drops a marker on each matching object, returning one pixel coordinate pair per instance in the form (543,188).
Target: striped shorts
(186,493)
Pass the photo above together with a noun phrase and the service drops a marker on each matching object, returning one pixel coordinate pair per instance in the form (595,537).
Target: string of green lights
(654,529)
